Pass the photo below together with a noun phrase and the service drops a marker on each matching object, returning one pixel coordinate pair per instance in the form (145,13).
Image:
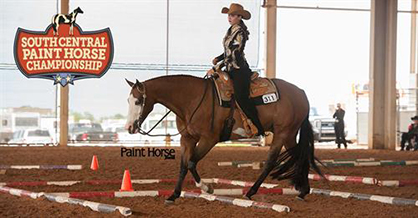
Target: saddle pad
(262,90)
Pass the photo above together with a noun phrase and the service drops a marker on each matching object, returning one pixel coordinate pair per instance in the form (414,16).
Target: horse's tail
(295,163)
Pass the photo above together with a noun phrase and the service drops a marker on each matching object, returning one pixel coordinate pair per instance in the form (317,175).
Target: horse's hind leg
(187,146)
(200,152)
(54,28)
(301,182)
(72,29)
(305,187)
(57,29)
(273,154)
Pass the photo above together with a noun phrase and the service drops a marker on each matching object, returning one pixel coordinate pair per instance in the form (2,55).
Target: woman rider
(235,63)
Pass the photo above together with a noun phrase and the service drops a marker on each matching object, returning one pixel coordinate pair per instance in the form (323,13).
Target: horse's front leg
(203,147)
(57,29)
(187,147)
(177,190)
(273,154)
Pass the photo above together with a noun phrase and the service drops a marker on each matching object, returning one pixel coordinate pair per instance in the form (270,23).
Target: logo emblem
(63,52)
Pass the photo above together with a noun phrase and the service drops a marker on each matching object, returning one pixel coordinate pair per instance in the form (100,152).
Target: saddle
(262,91)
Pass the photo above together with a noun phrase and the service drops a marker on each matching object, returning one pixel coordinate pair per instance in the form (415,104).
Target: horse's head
(78,11)
(139,106)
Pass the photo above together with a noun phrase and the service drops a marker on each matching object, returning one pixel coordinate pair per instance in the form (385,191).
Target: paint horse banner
(63,54)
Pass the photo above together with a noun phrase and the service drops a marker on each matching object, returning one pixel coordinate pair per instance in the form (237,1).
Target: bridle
(140,118)
(144,98)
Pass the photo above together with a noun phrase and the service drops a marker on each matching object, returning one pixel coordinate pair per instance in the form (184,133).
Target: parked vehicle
(324,129)
(160,129)
(88,132)
(11,122)
(123,135)
(32,137)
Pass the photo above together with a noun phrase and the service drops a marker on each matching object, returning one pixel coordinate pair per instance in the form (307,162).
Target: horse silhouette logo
(65,18)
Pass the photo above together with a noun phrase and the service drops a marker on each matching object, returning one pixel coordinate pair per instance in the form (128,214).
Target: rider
(235,63)
(411,134)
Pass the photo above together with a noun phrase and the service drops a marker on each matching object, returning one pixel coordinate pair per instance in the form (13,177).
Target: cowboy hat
(414,117)
(236,9)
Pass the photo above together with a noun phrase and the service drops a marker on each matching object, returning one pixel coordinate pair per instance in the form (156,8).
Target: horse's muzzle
(134,128)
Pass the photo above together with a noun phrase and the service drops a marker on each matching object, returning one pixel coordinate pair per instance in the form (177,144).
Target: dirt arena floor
(112,166)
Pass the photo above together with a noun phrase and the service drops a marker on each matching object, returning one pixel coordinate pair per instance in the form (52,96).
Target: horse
(64,18)
(200,121)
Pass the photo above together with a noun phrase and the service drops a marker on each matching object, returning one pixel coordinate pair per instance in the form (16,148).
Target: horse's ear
(139,86)
(129,82)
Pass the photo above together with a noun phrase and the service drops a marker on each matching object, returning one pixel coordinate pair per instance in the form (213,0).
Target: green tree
(118,116)
(77,116)
(88,116)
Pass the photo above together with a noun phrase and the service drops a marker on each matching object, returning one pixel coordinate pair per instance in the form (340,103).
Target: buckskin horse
(191,100)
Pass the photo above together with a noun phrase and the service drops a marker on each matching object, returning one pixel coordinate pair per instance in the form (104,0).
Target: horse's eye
(138,102)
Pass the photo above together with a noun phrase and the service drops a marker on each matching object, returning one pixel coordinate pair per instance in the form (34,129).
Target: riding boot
(254,119)
(252,113)
(261,131)
(241,81)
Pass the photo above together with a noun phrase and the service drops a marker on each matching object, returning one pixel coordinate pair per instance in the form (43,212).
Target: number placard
(269,98)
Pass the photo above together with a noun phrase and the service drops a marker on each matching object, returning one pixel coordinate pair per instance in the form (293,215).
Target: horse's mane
(177,76)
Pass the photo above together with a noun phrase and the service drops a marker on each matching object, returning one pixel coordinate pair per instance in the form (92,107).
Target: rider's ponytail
(245,28)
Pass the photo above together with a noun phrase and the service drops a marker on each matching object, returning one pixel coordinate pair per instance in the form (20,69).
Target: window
(120,129)
(170,124)
(153,122)
(313,112)
(26,121)
(17,134)
(83,127)
(38,133)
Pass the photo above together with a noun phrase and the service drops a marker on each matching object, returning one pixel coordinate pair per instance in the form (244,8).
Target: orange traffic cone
(126,182)
(94,163)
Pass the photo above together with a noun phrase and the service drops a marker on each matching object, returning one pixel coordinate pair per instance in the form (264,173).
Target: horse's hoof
(168,202)
(171,199)
(210,189)
(250,193)
(299,198)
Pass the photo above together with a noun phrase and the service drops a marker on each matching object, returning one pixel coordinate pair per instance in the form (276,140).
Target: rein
(142,132)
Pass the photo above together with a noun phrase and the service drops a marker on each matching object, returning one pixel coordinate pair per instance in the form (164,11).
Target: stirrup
(252,128)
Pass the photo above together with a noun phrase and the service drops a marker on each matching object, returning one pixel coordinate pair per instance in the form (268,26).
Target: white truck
(322,126)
